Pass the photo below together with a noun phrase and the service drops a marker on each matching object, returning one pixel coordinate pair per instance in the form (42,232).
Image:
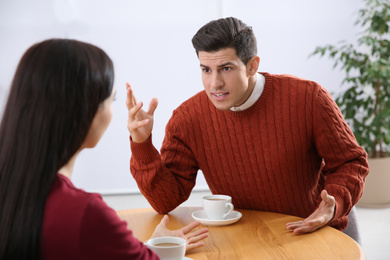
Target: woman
(60,103)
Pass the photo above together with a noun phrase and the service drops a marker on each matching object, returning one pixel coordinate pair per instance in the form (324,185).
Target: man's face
(225,78)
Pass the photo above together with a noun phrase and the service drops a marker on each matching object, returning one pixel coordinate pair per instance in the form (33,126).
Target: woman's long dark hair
(54,96)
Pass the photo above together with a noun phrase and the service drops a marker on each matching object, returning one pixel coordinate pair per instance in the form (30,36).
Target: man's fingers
(137,124)
(165,220)
(131,101)
(319,222)
(190,227)
(134,110)
(134,98)
(152,106)
(198,233)
(195,242)
(129,98)
(324,194)
(294,225)
(197,239)
(307,226)
(305,229)
(327,198)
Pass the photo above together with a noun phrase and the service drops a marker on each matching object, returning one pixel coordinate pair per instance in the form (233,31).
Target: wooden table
(257,235)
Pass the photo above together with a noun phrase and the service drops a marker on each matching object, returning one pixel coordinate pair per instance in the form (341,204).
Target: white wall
(150,44)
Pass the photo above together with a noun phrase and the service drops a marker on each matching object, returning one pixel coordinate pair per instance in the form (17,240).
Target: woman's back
(79,225)
(55,94)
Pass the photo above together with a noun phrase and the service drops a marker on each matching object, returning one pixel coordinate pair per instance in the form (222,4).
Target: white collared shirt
(255,95)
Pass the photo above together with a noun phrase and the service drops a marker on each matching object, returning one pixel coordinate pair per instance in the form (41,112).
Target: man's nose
(216,81)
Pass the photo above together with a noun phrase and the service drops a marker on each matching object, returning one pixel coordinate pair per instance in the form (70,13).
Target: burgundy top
(80,225)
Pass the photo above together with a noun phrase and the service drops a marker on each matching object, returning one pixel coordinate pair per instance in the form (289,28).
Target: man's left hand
(193,237)
(319,218)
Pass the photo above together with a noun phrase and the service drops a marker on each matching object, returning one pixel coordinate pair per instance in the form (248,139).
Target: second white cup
(168,248)
(217,207)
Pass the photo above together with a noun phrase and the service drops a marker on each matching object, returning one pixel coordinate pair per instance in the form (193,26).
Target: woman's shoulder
(84,220)
(64,193)
(66,204)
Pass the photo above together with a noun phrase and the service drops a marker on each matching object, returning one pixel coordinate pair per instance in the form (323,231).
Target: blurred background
(149,42)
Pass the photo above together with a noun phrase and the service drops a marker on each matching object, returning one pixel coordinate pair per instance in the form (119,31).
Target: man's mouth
(220,94)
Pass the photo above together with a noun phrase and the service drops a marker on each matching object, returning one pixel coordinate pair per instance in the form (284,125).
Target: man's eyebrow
(220,66)
(225,64)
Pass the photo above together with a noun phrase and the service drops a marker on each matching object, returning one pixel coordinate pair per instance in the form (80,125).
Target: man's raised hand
(139,122)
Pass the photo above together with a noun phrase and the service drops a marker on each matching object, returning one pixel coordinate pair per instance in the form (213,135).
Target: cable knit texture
(277,155)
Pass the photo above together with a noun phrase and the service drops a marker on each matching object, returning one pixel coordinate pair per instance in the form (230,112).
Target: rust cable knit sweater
(278,155)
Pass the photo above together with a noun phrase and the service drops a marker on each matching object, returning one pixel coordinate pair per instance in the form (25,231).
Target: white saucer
(233,217)
(187,258)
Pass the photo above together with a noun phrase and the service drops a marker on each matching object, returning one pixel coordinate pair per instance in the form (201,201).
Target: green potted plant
(365,101)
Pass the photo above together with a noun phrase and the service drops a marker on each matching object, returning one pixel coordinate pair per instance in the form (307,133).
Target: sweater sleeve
(104,236)
(165,180)
(346,165)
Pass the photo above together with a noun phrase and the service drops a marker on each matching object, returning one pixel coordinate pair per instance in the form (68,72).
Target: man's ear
(253,65)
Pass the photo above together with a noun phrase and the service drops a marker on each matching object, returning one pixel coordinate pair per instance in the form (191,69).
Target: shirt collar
(255,95)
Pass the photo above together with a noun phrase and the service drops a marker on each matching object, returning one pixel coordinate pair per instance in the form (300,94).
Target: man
(272,142)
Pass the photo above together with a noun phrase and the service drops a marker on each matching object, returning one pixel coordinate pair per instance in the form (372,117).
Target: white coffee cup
(168,248)
(217,207)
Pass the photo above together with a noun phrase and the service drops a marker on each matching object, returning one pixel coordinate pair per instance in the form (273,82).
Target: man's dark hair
(226,33)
